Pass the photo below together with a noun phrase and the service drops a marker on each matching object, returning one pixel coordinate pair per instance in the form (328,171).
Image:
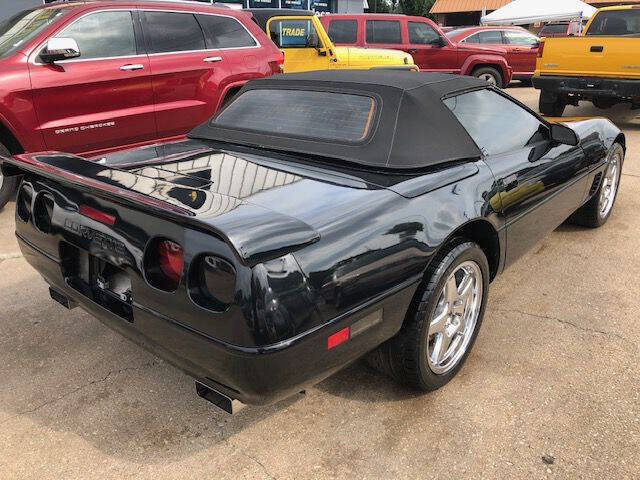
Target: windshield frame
(55,14)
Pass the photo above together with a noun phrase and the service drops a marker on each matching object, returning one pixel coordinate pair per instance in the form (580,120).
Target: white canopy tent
(523,12)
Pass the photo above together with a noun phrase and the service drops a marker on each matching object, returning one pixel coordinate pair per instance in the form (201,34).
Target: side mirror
(313,41)
(60,49)
(440,42)
(563,135)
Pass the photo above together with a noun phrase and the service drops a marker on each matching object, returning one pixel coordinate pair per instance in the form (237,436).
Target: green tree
(419,8)
(379,6)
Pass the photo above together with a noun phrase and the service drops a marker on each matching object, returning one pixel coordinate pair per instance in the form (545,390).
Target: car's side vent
(596,184)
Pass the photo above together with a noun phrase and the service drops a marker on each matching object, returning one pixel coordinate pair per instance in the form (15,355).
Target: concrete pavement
(554,374)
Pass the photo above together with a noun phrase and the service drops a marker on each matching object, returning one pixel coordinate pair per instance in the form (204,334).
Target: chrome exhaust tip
(220,400)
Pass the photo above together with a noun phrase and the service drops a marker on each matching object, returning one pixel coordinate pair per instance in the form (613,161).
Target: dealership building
(8,8)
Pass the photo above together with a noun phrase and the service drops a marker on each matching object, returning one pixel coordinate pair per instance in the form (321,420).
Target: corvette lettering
(102,240)
(82,128)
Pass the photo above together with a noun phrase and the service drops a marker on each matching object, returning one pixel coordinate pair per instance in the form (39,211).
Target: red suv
(521,45)
(99,76)
(432,51)
(562,29)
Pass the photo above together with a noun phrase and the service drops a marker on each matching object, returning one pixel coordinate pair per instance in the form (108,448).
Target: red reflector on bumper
(337,338)
(97,215)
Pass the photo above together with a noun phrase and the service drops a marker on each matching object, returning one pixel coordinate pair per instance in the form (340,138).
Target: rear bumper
(255,376)
(588,87)
(522,75)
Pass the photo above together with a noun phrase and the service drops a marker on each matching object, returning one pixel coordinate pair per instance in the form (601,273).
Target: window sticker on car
(291,33)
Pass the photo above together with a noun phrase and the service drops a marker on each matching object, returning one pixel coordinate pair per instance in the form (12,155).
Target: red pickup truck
(432,51)
(99,76)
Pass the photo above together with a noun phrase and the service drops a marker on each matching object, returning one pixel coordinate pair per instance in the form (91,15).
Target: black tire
(604,103)
(8,185)
(486,72)
(550,105)
(590,214)
(404,357)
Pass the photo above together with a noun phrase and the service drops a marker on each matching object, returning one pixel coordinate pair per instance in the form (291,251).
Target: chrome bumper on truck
(588,87)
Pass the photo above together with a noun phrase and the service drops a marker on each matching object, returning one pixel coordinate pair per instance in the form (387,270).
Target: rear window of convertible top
(316,115)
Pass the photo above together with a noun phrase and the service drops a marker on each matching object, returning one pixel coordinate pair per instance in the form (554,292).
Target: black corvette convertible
(317,218)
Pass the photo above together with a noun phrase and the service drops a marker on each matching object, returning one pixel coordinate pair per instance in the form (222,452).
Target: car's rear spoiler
(272,234)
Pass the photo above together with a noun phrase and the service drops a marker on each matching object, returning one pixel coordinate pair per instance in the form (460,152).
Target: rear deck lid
(257,207)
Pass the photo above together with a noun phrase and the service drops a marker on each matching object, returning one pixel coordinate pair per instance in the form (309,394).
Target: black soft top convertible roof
(412,129)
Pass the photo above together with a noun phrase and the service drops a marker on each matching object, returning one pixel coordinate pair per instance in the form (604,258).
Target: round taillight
(23,202)
(164,264)
(212,282)
(43,212)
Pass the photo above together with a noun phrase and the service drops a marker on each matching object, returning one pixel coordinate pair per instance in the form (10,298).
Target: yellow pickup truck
(306,44)
(601,66)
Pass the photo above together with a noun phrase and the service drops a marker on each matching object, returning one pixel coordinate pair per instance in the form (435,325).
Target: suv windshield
(553,28)
(616,23)
(18,30)
(454,33)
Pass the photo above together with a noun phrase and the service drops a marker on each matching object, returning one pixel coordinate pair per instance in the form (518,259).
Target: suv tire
(8,185)
(490,75)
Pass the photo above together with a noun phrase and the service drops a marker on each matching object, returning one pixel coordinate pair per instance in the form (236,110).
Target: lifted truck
(601,66)
(307,46)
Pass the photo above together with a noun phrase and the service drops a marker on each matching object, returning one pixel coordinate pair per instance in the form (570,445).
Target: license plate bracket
(100,281)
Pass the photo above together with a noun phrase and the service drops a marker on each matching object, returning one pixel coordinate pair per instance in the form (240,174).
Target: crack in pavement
(82,387)
(574,325)
(264,469)
(255,460)
(630,175)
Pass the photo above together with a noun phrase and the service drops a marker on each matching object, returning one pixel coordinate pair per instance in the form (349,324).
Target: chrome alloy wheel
(454,319)
(609,186)
(1,179)
(490,79)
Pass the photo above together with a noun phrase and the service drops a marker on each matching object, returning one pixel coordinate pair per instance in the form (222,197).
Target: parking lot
(550,389)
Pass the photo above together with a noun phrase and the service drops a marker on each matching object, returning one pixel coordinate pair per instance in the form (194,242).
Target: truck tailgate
(610,57)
